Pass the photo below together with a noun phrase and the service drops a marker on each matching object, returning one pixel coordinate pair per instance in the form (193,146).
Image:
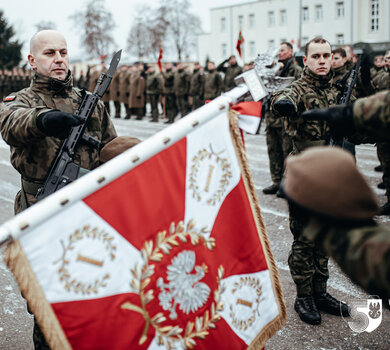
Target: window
(271,18)
(305,14)
(319,13)
(240,21)
(271,44)
(223,25)
(340,9)
(340,39)
(374,15)
(252,49)
(224,50)
(283,17)
(251,21)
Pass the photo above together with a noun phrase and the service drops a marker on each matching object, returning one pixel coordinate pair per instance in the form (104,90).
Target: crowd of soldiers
(13,80)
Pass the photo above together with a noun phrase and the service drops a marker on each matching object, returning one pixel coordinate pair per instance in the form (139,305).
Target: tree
(97,25)
(10,50)
(45,25)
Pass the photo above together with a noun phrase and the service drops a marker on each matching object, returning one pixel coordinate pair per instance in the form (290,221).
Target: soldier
(338,64)
(231,71)
(81,81)
(137,91)
(124,88)
(213,84)
(34,120)
(340,221)
(309,264)
(350,56)
(197,87)
(169,95)
(278,143)
(379,62)
(106,96)
(115,94)
(153,90)
(181,84)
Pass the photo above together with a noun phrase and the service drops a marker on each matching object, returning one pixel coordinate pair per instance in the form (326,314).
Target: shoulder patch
(9,98)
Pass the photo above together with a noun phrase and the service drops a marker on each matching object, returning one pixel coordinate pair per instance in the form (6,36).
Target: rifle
(64,170)
(347,84)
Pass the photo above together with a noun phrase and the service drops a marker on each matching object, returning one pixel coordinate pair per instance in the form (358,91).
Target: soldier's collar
(55,86)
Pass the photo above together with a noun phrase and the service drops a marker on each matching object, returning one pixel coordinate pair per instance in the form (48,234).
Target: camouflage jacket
(153,83)
(309,92)
(372,116)
(382,81)
(181,82)
(213,85)
(32,153)
(339,73)
(362,251)
(230,73)
(197,84)
(168,82)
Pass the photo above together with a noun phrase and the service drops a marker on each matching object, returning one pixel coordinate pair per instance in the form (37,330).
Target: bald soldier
(339,219)
(35,120)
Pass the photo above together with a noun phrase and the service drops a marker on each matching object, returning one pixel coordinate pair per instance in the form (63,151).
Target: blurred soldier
(231,71)
(213,84)
(197,87)
(153,90)
(81,80)
(379,62)
(106,96)
(35,120)
(124,88)
(137,91)
(181,86)
(350,56)
(169,94)
(308,263)
(94,75)
(338,64)
(115,94)
(339,221)
(278,143)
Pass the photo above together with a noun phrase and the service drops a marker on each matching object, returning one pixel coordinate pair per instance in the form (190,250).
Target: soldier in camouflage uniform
(153,90)
(197,87)
(34,120)
(231,71)
(308,263)
(181,85)
(278,143)
(115,94)
(338,64)
(213,84)
(379,62)
(169,94)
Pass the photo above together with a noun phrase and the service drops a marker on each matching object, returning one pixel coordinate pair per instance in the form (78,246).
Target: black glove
(56,123)
(285,108)
(340,118)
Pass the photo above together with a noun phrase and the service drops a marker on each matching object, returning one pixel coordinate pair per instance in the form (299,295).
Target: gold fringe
(272,327)
(18,263)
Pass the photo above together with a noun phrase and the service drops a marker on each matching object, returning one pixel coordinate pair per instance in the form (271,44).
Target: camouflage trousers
(383,152)
(307,261)
(279,147)
(153,98)
(170,107)
(182,105)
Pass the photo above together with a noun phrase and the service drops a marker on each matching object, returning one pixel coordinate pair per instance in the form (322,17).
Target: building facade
(266,23)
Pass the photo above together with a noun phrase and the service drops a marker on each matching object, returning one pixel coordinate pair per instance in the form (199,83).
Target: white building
(266,23)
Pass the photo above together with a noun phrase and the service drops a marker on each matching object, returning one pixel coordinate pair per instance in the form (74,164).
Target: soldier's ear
(304,59)
(31,61)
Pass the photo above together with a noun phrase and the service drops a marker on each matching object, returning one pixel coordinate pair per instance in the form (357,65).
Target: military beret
(117,146)
(326,180)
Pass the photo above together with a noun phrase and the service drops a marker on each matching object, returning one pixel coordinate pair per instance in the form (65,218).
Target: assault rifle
(347,84)
(64,170)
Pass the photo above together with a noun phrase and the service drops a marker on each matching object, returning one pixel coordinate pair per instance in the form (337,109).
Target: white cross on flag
(161,247)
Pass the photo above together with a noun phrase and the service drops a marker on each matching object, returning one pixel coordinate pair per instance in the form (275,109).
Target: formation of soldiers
(13,80)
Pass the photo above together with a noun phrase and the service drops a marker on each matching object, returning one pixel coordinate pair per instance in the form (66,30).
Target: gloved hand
(285,108)
(340,118)
(56,123)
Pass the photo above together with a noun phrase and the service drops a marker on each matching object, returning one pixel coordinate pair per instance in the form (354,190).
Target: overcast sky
(23,15)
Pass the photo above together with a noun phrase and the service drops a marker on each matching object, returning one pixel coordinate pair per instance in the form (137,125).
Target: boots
(271,189)
(325,302)
(307,310)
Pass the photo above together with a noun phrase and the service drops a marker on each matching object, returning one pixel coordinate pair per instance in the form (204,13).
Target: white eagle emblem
(183,287)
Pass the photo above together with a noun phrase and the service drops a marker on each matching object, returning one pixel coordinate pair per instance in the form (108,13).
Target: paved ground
(334,333)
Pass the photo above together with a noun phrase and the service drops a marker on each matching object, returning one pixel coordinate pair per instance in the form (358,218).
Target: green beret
(326,180)
(117,146)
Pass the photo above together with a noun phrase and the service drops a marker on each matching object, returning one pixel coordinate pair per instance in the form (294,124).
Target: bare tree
(45,25)
(137,42)
(97,24)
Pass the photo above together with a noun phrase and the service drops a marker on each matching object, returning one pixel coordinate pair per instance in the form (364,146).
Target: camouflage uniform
(230,73)
(124,90)
(339,73)
(32,153)
(307,261)
(153,90)
(169,95)
(181,84)
(115,94)
(278,143)
(197,89)
(213,85)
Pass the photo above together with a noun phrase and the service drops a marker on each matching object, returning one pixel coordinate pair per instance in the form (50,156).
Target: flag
(240,41)
(102,57)
(160,56)
(249,116)
(164,245)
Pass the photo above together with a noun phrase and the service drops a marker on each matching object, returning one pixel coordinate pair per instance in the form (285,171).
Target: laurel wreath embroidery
(65,275)
(223,182)
(169,335)
(254,283)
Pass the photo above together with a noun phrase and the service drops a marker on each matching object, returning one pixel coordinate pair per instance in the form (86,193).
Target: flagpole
(104,174)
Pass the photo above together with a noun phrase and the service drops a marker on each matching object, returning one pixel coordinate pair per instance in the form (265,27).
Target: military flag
(160,56)
(240,41)
(162,246)
(249,115)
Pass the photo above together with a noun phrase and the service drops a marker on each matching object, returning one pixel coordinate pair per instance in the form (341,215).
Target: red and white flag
(162,246)
(240,41)
(249,115)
